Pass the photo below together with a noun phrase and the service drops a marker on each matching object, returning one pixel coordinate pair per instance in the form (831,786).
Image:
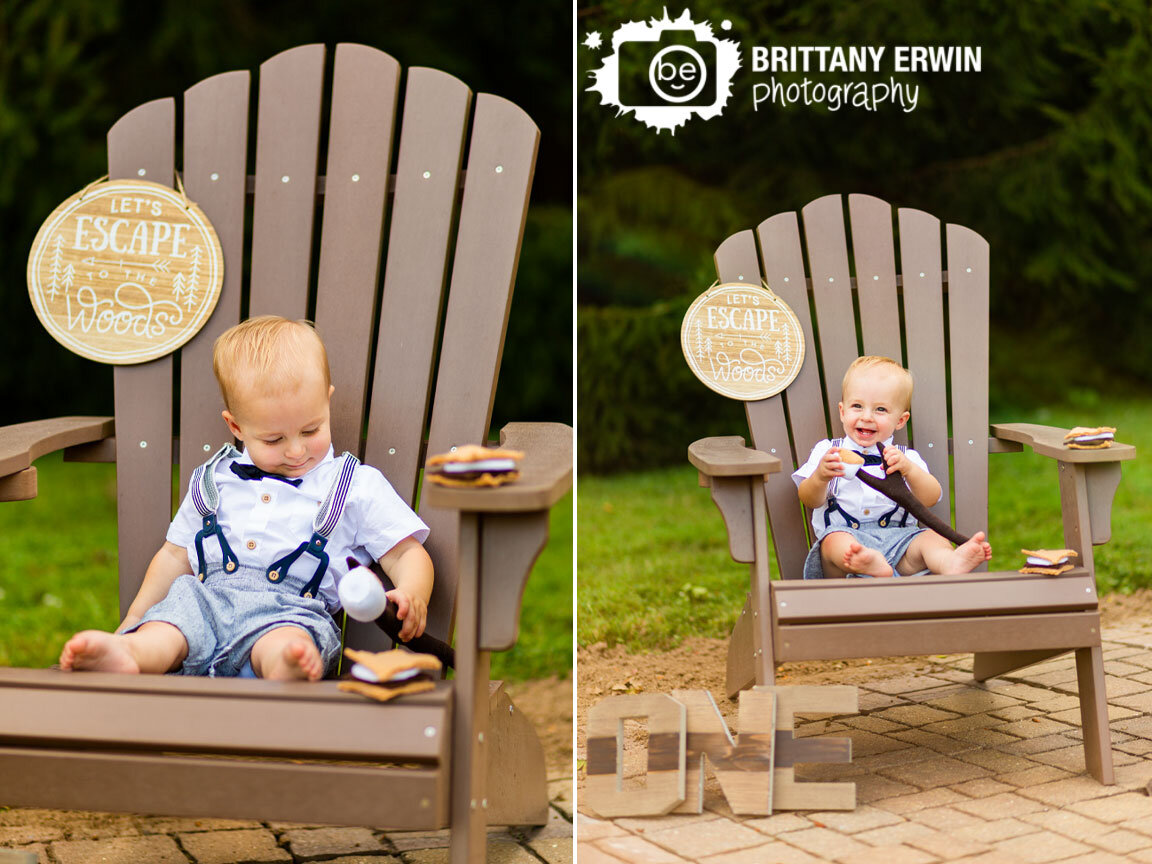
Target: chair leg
(741,654)
(760,597)
(468,840)
(517,780)
(1094,714)
(991,664)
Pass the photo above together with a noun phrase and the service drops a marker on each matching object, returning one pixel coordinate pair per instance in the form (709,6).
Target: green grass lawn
(58,575)
(653,562)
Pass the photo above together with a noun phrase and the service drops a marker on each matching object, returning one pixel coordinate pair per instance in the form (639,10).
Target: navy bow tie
(870,458)
(245,471)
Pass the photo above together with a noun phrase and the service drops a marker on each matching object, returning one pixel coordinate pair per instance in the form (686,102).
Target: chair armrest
(1088,482)
(726,456)
(23,443)
(734,473)
(512,525)
(545,474)
(1049,441)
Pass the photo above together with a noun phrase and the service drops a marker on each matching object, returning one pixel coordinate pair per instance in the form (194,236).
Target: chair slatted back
(933,318)
(141,146)
(287,146)
(452,232)
(435,119)
(365,89)
(215,175)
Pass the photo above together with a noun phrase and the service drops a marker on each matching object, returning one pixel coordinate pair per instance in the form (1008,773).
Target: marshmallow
(362,595)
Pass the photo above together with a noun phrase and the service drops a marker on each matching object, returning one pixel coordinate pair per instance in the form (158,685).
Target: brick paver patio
(61,837)
(945,770)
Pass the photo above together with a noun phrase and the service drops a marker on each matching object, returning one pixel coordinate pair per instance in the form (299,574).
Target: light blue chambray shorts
(223,617)
(891,542)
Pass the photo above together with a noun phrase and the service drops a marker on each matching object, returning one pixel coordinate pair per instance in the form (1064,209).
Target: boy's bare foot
(97,651)
(865,561)
(299,660)
(968,556)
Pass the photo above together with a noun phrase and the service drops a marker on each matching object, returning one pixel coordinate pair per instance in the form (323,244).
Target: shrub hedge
(639,405)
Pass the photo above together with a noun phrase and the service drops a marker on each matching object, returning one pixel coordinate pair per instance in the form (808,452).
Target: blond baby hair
(269,351)
(887,365)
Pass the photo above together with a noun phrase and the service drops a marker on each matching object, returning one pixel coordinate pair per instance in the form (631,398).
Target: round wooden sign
(125,272)
(742,341)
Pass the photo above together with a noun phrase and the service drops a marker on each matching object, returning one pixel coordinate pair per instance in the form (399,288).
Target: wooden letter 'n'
(744,765)
(664,791)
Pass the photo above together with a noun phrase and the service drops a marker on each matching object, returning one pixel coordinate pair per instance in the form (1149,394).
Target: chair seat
(215,747)
(837,618)
(971,594)
(207,715)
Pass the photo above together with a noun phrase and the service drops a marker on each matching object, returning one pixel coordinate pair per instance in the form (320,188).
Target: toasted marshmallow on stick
(473,465)
(851,460)
(1048,562)
(1089,437)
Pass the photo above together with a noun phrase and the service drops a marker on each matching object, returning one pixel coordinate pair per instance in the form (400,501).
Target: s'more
(1089,437)
(1048,562)
(474,466)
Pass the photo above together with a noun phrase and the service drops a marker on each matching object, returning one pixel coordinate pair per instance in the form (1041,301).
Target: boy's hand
(831,466)
(411,571)
(897,460)
(412,611)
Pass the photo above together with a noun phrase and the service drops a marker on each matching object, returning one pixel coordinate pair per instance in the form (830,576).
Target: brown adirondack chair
(460,755)
(1007,619)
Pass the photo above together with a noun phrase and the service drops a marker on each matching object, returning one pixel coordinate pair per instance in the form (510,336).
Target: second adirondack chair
(462,755)
(938,297)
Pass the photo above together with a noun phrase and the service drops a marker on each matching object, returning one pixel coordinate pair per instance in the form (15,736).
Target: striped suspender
(205,495)
(887,517)
(833,506)
(836,442)
(333,507)
(327,518)
(206,499)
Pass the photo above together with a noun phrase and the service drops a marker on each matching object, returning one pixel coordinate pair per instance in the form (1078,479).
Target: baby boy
(247,575)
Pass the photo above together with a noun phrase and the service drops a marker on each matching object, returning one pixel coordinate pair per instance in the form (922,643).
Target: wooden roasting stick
(425,643)
(894,487)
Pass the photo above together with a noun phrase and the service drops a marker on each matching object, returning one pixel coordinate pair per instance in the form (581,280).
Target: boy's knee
(835,540)
(929,539)
(282,635)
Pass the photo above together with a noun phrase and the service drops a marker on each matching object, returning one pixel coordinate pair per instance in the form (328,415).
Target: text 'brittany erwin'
(97,233)
(867,58)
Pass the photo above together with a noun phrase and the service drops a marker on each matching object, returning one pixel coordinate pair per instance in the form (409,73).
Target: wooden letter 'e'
(666,756)
(787,794)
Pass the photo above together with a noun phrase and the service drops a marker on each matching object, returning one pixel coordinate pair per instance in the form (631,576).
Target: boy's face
(873,407)
(285,433)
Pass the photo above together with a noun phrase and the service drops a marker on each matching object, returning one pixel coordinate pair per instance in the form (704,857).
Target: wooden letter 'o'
(667,737)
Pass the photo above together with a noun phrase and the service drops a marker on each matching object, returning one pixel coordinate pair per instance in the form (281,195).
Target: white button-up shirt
(862,501)
(266,519)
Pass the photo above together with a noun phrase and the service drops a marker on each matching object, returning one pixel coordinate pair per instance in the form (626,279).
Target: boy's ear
(331,390)
(903,419)
(232,427)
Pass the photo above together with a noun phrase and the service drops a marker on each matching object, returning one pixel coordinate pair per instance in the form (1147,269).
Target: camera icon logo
(666,71)
(677,73)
